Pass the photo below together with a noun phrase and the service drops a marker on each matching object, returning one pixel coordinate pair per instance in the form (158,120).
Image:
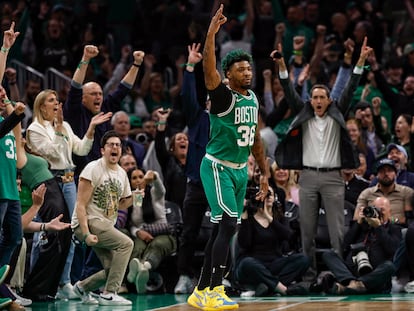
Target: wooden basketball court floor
(400,302)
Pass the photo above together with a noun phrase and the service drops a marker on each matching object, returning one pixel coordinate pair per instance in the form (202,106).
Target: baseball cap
(408,48)
(398,147)
(386,162)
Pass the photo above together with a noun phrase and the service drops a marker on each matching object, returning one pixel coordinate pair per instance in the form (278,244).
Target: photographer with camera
(369,247)
(260,263)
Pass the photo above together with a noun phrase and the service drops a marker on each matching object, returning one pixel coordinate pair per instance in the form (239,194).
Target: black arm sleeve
(161,149)
(221,98)
(9,123)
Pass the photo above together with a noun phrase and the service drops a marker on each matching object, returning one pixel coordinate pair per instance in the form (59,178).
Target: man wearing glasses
(103,190)
(86,100)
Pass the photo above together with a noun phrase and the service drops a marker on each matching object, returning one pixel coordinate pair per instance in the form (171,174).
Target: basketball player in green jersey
(233,136)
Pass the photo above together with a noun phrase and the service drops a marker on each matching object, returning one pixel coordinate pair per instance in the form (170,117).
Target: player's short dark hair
(235,56)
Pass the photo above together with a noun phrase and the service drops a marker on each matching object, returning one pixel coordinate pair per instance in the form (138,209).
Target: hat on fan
(398,147)
(386,162)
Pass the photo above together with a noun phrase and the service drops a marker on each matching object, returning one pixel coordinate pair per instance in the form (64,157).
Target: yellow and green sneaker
(198,298)
(216,299)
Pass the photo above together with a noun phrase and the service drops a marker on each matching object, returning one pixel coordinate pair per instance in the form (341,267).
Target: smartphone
(277,55)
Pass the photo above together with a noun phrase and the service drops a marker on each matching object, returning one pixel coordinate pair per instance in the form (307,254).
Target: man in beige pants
(103,189)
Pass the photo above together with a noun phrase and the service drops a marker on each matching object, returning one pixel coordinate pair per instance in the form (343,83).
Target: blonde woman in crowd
(53,138)
(286,180)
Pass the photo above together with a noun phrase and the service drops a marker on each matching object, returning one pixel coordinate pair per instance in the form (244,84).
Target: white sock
(147,265)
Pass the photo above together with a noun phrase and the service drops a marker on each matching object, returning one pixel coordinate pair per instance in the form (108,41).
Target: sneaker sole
(141,281)
(24,302)
(72,297)
(61,296)
(90,302)
(194,304)
(133,270)
(232,307)
(212,305)
(409,288)
(103,302)
(195,301)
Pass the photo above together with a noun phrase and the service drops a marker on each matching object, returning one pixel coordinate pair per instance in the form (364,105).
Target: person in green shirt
(233,136)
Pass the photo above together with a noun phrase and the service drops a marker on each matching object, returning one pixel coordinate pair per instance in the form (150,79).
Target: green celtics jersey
(232,132)
(8,186)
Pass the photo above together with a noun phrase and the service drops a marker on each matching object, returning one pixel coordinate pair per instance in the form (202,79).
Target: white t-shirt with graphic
(109,187)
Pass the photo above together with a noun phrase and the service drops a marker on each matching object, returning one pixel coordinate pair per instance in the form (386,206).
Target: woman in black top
(260,262)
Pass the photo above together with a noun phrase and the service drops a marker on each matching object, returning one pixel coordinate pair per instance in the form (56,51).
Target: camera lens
(370,212)
(362,261)
(142,138)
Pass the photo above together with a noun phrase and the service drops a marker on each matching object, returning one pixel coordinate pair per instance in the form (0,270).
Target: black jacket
(289,152)
(380,243)
(264,244)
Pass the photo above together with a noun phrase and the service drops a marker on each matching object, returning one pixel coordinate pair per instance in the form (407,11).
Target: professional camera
(360,258)
(371,212)
(251,204)
(142,138)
